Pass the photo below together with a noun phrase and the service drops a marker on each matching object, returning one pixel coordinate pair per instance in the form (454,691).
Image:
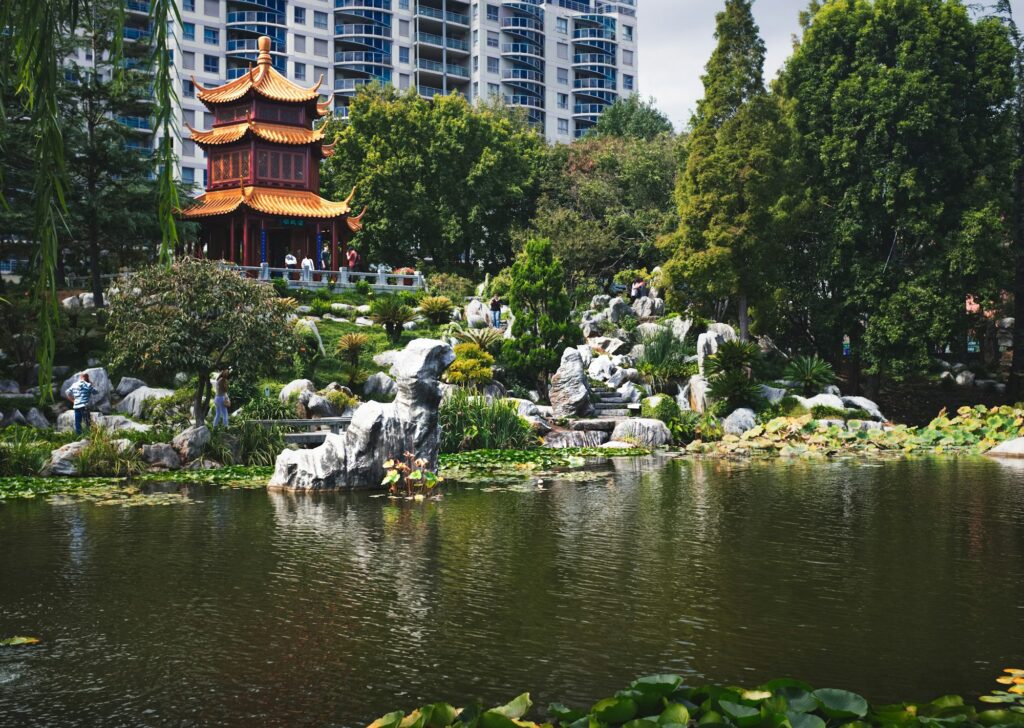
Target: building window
(280,166)
(319,71)
(562,25)
(211,64)
(211,36)
(493,89)
(403,28)
(299,15)
(300,71)
(211,8)
(492,39)
(188,89)
(403,81)
(319,47)
(319,20)
(492,12)
(403,4)
(188,6)
(188,148)
(476,38)
(563,76)
(627,32)
(229,166)
(493,65)
(300,43)
(563,51)
(563,101)
(627,82)
(476,63)
(189,116)
(228,114)
(563,127)
(188,31)
(188,175)
(627,58)
(403,54)
(188,60)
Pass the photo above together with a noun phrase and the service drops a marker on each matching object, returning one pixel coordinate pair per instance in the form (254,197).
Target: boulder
(865,404)
(694,396)
(647,307)
(203,464)
(680,327)
(618,347)
(601,424)
(822,400)
(1011,449)
(411,325)
(570,387)
(601,368)
(309,324)
(134,402)
(71,303)
(37,419)
(586,354)
(379,385)
(191,442)
(341,307)
(13,418)
(647,432)
(598,342)
(565,440)
(477,314)
(378,431)
(386,358)
(617,445)
(102,389)
(363,321)
(111,423)
(9,386)
(525,407)
(294,388)
(88,300)
(304,309)
(618,310)
(600,302)
(649,330)
(127,385)
(724,332)
(64,460)
(772,395)
(364,309)
(319,406)
(631,392)
(739,422)
(623,375)
(834,390)
(161,456)
(494,390)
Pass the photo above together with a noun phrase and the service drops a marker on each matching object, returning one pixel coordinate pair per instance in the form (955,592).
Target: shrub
(437,309)
(450,285)
(266,408)
(471,368)
(321,306)
(151,436)
(363,287)
(340,399)
(664,359)
(732,356)
(501,284)
(281,287)
(260,445)
(350,348)
(487,339)
(307,353)
(812,373)
(696,426)
(172,412)
(22,453)
(662,408)
(103,455)
(391,313)
(473,423)
(788,406)
(736,389)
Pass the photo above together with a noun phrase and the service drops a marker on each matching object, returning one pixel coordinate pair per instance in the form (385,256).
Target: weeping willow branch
(166,102)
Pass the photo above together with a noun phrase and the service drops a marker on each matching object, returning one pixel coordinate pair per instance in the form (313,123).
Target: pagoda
(263,172)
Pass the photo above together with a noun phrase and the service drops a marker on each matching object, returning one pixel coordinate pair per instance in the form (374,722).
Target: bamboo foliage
(166,103)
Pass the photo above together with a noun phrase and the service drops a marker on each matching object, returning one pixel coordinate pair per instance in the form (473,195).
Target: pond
(899,579)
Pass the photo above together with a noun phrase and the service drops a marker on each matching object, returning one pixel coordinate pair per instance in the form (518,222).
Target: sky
(676,38)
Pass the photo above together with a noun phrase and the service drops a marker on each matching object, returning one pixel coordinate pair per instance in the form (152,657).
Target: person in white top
(307,269)
(290,262)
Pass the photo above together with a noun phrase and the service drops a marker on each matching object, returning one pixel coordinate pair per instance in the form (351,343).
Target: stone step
(610,405)
(590,438)
(603,424)
(612,413)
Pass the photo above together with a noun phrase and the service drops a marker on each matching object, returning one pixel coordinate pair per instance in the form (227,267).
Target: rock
(112,423)
(586,354)
(833,390)
(947,379)
(647,307)
(647,432)
(363,321)
(13,418)
(772,395)
(958,367)
(570,387)
(680,327)
(599,302)
(601,368)
(525,407)
(618,310)
(725,332)
(603,424)
(379,385)
(134,402)
(161,456)
(618,347)
(865,425)
(649,330)
(341,307)
(294,388)
(181,379)
(565,440)
(71,303)
(309,324)
(410,325)
(986,385)
(100,399)
(1011,449)
(37,419)
(739,422)
(494,390)
(88,300)
(127,385)
(631,392)
(364,309)
(64,460)
(865,404)
(616,445)
(386,358)
(478,316)
(9,386)
(965,378)
(190,443)
(304,309)
(822,400)
(539,425)
(378,431)
(623,375)
(694,395)
(203,464)
(319,406)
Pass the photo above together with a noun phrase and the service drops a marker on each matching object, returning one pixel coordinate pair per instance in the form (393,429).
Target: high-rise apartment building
(562,61)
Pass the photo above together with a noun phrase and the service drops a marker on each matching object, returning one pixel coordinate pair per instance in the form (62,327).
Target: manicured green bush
(664,359)
(450,285)
(469,422)
(471,368)
(693,426)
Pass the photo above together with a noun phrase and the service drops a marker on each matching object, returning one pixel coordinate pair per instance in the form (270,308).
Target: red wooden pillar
(231,240)
(246,246)
(334,244)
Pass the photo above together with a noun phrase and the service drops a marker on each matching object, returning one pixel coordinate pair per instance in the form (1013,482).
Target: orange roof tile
(355,224)
(264,80)
(277,133)
(286,203)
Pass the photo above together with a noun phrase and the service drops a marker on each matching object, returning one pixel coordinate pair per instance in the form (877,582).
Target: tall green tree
(731,181)
(902,140)
(632,118)
(444,180)
(543,326)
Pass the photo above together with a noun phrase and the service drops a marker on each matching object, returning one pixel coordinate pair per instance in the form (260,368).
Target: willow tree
(32,39)
(730,183)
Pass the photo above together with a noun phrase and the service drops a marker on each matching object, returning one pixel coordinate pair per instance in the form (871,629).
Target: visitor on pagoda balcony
(353,260)
(307,269)
(290,261)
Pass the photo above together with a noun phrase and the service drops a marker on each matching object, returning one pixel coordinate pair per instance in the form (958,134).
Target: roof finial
(263,59)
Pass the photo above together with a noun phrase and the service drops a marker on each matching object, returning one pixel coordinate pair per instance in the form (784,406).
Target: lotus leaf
(674,713)
(804,720)
(841,703)
(614,710)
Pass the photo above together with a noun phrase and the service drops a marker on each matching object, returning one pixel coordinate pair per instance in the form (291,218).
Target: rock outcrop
(379,385)
(64,460)
(294,388)
(100,399)
(127,385)
(161,456)
(739,422)
(646,432)
(1011,449)
(136,400)
(112,423)
(570,387)
(647,307)
(190,443)
(477,315)
(378,431)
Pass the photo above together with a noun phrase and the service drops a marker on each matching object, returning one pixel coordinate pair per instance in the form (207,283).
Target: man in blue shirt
(79,394)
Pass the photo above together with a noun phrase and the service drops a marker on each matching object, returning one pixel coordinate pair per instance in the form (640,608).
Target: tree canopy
(632,118)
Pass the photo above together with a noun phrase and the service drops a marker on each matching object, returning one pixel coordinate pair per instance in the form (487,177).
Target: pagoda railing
(334,279)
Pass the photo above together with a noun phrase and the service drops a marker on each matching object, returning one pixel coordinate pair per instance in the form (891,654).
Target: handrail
(342,278)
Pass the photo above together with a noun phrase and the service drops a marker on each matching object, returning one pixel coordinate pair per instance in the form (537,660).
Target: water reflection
(898,579)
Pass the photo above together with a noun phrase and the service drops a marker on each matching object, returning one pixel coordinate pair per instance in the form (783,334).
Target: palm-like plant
(437,309)
(392,314)
(812,373)
(350,348)
(487,339)
(732,356)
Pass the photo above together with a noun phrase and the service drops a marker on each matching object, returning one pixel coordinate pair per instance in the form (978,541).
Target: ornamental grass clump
(470,422)
(108,456)
(22,452)
(663,359)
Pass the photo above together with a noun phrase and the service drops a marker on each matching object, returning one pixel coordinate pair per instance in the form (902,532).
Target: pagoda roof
(276,133)
(271,201)
(264,80)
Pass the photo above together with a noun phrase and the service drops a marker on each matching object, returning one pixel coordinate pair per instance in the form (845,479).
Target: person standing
(307,269)
(80,396)
(290,262)
(221,401)
(496,311)
(353,260)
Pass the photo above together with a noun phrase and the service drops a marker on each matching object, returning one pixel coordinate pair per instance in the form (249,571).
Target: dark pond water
(899,580)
